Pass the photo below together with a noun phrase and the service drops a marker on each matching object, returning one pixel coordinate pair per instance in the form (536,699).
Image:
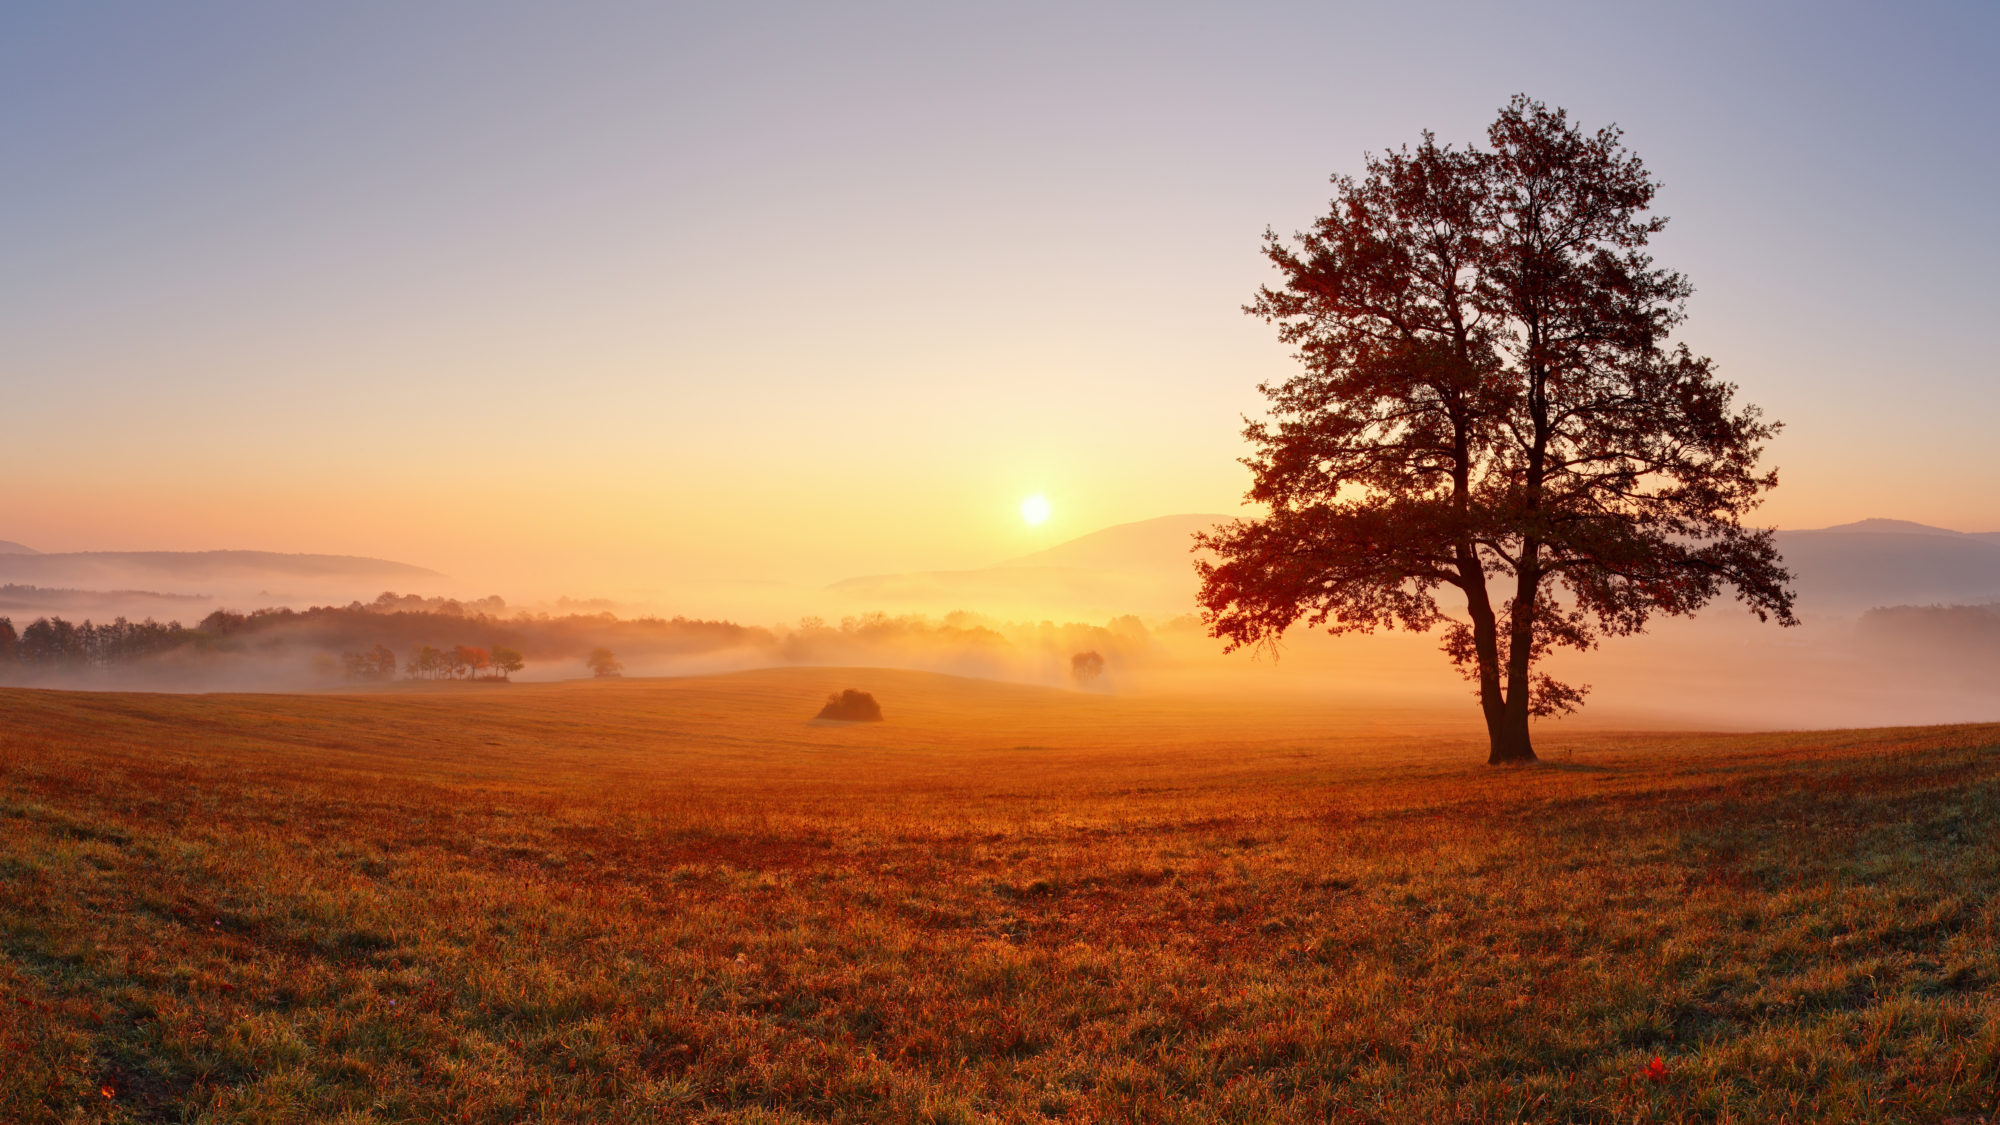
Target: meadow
(680,900)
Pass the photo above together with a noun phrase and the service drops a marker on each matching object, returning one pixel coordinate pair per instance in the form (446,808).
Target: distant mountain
(9,547)
(23,603)
(1144,567)
(1145,546)
(1876,525)
(1878,563)
(240,574)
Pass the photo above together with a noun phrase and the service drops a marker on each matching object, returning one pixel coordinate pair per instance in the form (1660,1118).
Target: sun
(1035,510)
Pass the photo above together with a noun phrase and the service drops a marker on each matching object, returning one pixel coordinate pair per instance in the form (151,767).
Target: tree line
(54,643)
(381,641)
(459,662)
(51,642)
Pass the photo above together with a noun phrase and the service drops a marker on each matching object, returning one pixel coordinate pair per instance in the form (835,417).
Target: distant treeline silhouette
(459,662)
(398,636)
(444,639)
(1945,634)
(358,628)
(51,642)
(14,595)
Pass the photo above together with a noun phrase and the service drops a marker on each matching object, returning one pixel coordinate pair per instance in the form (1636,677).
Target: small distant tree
(378,663)
(506,661)
(426,663)
(603,664)
(10,642)
(222,622)
(475,659)
(1085,667)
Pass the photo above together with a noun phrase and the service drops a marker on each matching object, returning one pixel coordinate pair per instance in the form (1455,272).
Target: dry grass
(680,901)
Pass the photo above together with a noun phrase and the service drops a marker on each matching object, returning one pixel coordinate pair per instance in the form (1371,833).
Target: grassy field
(679,901)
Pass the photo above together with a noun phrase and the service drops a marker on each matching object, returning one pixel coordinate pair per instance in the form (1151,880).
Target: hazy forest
(399,637)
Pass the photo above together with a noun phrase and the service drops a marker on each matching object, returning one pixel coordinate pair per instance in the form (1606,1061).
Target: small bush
(851,706)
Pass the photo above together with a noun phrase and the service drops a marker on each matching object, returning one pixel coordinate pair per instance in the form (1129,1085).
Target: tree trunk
(1507,736)
(1506,711)
(1485,645)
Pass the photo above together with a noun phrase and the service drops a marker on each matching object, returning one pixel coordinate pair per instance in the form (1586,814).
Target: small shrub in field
(851,706)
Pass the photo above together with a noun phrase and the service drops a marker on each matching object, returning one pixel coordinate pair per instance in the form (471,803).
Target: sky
(595,297)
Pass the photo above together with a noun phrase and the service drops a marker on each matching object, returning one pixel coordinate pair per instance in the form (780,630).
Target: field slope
(679,900)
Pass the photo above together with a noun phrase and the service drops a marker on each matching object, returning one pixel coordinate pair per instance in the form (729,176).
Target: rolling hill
(1145,567)
(216,573)
(1852,567)
(1161,544)
(1142,567)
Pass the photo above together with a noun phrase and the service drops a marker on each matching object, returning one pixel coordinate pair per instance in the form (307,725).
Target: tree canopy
(1489,404)
(603,663)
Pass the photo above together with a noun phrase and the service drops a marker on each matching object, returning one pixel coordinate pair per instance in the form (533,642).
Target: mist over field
(1015,902)
(1898,626)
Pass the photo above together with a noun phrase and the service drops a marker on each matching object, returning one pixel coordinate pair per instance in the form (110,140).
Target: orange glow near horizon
(656,302)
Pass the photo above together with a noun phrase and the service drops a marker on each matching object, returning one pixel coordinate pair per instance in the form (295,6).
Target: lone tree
(1489,402)
(603,664)
(1086,666)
